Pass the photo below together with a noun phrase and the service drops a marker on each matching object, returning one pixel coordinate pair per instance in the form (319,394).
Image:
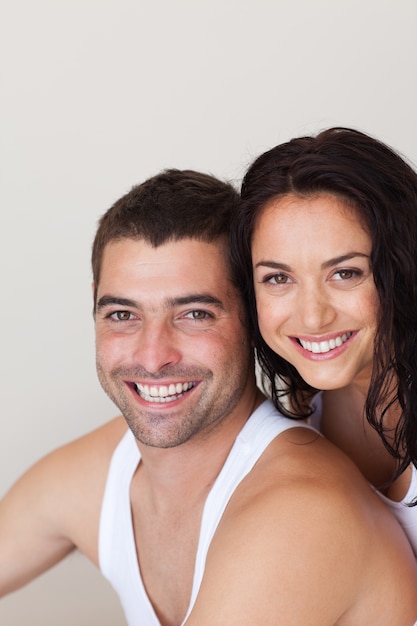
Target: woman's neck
(344,423)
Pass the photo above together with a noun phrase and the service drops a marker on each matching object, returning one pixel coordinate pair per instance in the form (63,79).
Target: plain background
(97,95)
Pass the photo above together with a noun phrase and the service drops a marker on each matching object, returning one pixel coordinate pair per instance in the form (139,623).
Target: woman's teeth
(319,347)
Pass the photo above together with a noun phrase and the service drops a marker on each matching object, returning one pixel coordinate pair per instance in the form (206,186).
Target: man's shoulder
(301,470)
(305,524)
(71,478)
(306,501)
(316,499)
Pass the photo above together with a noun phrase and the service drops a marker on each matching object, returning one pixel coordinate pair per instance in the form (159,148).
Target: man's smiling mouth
(163,393)
(320,347)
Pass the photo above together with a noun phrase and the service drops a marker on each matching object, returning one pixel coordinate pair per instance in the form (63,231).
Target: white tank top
(405,514)
(117,551)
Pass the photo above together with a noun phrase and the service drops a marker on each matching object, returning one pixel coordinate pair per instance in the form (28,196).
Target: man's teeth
(162,393)
(319,347)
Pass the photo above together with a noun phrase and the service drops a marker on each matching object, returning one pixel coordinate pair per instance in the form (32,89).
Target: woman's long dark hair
(382,188)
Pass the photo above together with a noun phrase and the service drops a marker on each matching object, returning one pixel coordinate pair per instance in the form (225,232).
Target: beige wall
(96,96)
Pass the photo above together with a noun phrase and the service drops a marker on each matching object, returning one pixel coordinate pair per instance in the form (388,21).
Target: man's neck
(189,470)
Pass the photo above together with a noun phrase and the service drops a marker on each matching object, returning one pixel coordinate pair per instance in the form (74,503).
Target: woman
(325,242)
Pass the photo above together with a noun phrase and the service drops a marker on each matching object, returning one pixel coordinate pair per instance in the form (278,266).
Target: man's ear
(93,290)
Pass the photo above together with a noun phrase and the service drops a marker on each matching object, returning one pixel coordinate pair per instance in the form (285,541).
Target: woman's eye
(345,274)
(277,279)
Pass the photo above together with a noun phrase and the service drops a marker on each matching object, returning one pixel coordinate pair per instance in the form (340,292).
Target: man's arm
(31,540)
(55,507)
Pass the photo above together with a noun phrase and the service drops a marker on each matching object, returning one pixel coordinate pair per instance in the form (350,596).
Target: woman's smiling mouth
(321,347)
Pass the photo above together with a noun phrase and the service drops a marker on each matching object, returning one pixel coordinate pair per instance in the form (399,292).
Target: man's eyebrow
(195,298)
(199,298)
(113,300)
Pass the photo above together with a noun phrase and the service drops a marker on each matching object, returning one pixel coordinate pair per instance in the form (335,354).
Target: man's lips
(163,393)
(324,346)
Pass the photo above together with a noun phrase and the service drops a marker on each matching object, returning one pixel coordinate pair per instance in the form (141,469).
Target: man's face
(172,348)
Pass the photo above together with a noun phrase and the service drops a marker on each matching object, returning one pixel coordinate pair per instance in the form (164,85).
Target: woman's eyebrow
(273,265)
(343,258)
(276,265)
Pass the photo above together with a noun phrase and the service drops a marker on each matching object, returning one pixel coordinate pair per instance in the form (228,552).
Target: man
(211,508)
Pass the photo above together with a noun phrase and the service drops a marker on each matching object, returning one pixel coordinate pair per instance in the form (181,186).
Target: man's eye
(121,316)
(198,315)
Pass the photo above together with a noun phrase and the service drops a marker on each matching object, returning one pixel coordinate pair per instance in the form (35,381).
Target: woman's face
(315,294)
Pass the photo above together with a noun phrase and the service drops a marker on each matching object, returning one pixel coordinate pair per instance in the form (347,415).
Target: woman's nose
(316,310)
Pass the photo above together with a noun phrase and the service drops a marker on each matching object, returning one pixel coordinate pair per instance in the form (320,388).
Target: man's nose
(156,346)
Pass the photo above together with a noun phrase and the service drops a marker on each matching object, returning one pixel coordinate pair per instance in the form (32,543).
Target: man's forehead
(181,250)
(179,258)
